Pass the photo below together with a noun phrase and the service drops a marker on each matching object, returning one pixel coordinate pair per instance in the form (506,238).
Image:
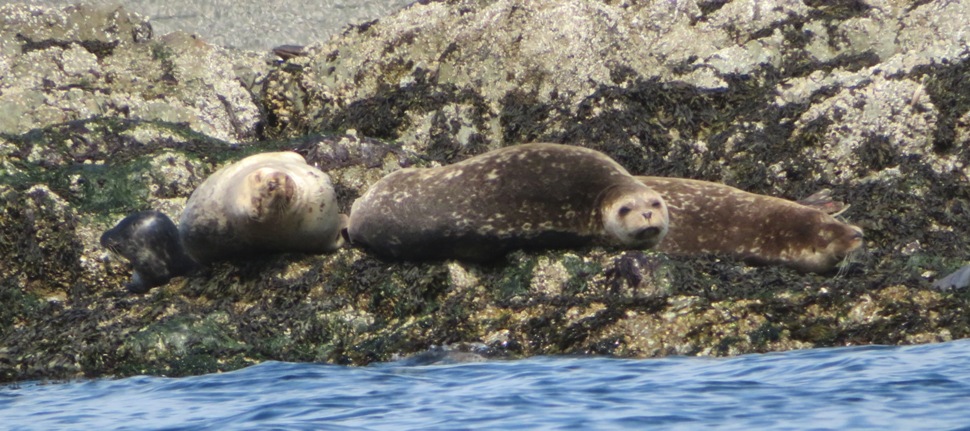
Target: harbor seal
(149,240)
(530,196)
(265,203)
(712,218)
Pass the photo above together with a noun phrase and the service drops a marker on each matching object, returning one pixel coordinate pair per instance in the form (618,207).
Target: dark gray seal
(531,196)
(149,240)
(712,218)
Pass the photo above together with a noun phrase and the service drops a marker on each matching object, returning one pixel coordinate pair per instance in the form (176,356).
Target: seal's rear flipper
(822,201)
(343,234)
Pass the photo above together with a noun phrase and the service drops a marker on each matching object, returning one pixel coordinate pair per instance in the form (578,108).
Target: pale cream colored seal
(265,203)
(531,196)
(712,218)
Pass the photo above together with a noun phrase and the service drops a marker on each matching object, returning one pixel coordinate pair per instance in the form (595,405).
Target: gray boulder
(89,61)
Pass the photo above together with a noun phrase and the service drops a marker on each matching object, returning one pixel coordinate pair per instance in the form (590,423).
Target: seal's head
(805,239)
(634,215)
(150,241)
(271,192)
(831,243)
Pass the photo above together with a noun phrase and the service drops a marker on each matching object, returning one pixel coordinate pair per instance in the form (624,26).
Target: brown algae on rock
(102,118)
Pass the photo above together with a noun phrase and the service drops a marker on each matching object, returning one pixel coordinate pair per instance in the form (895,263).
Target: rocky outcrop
(88,61)
(101,118)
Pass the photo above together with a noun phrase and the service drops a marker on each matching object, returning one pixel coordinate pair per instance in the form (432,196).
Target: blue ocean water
(905,388)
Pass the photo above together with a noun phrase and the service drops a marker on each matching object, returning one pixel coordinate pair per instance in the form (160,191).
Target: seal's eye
(655,204)
(624,211)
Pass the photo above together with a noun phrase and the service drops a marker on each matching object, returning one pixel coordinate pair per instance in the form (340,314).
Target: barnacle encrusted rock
(100,118)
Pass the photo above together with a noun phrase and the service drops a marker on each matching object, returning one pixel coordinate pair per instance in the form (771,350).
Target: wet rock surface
(102,118)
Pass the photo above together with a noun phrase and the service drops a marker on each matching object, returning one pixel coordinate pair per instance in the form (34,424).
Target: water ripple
(876,387)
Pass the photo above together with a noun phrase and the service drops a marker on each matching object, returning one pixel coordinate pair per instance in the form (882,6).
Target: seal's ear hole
(624,210)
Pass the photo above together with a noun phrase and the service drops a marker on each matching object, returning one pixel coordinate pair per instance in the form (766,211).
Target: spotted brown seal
(712,218)
(525,196)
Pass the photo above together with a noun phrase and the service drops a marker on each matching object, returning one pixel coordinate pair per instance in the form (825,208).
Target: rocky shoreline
(99,118)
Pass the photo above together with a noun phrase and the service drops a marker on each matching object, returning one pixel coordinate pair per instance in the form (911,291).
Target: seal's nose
(648,215)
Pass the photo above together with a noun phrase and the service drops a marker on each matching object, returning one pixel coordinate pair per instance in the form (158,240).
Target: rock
(867,99)
(638,80)
(40,239)
(88,61)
